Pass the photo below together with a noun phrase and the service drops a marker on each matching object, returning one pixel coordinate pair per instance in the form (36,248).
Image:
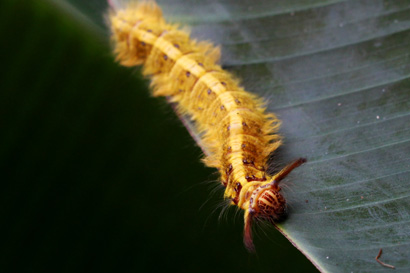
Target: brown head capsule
(271,205)
(265,203)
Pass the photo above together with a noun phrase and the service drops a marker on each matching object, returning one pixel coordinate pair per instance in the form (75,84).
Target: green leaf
(337,75)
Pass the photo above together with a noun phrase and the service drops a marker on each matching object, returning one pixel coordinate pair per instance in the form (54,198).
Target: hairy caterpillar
(237,131)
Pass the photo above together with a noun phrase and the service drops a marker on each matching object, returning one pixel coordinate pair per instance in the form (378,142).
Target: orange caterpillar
(237,131)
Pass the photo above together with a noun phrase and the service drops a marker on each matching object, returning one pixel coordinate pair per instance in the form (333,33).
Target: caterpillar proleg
(235,127)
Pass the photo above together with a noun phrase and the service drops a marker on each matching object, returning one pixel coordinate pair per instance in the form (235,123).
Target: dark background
(97,175)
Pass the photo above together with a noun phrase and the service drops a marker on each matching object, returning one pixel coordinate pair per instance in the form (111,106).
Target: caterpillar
(235,128)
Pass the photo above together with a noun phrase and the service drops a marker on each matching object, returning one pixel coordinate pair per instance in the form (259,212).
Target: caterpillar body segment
(236,129)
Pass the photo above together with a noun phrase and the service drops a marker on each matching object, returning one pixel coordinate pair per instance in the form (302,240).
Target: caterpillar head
(266,203)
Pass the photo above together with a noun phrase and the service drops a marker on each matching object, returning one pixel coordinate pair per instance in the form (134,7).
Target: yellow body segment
(236,130)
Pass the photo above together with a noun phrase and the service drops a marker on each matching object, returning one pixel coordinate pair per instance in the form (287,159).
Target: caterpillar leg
(285,171)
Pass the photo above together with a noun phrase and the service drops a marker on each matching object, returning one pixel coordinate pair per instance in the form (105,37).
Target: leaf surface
(337,75)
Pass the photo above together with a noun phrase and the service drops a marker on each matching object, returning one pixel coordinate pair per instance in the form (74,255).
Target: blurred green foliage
(99,177)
